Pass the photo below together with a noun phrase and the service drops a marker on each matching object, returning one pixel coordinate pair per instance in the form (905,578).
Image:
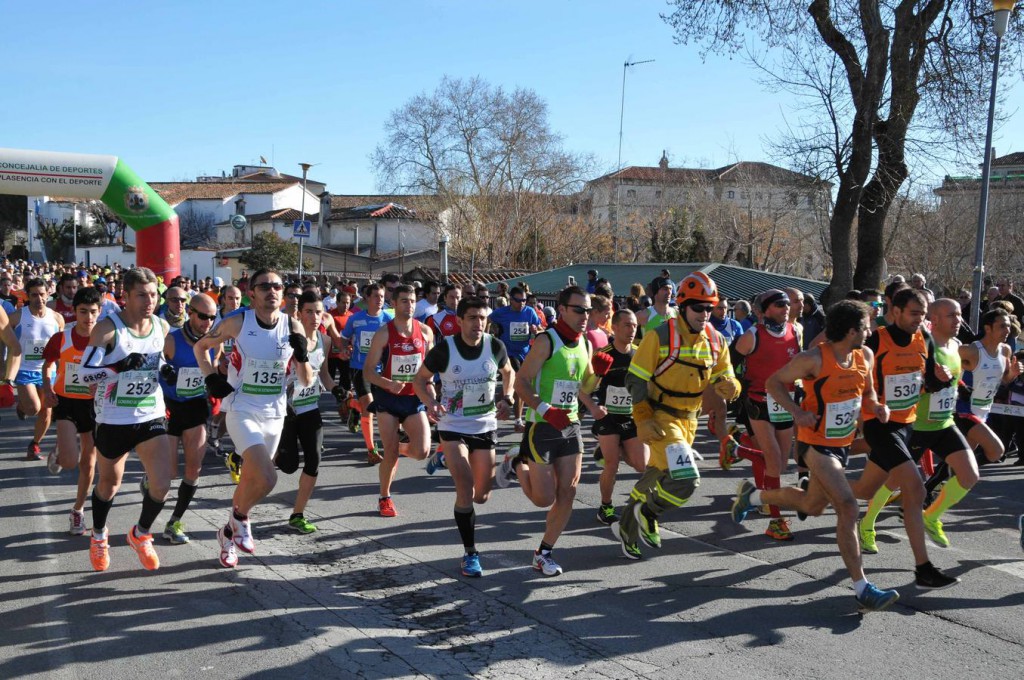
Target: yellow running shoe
(142,544)
(233,463)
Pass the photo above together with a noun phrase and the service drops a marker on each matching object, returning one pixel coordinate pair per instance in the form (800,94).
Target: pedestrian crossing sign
(301,228)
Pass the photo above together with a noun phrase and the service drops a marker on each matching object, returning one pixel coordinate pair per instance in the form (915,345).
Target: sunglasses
(292,296)
(515,299)
(580,309)
(702,309)
(781,303)
(204,317)
(265,286)
(168,299)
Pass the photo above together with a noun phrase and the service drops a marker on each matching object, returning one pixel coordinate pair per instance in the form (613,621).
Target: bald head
(203,303)
(945,318)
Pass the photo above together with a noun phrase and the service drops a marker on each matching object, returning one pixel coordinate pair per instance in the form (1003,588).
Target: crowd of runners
(122,362)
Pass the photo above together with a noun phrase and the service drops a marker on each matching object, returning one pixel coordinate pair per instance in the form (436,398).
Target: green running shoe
(867,540)
(175,533)
(933,527)
(648,528)
(301,524)
(606,514)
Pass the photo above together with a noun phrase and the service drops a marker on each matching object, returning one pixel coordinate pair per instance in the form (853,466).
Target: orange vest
(68,383)
(898,376)
(835,397)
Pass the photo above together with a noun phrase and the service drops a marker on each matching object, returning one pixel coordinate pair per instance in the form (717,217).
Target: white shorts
(247,431)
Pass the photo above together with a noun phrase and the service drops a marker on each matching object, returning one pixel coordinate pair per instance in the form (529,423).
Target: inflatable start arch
(106,178)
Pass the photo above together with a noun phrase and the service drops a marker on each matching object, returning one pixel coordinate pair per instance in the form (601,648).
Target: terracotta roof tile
(176,192)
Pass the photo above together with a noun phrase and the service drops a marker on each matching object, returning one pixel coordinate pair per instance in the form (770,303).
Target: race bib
(190,383)
(365,338)
(478,398)
(519,331)
(306,396)
(984,394)
(263,376)
(1016,410)
(35,350)
(564,394)
(404,367)
(681,462)
(777,414)
(902,390)
(618,400)
(136,389)
(941,403)
(73,380)
(841,418)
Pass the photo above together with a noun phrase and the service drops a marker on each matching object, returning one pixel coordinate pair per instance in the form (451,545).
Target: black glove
(217,386)
(340,393)
(169,374)
(132,362)
(299,344)
(964,391)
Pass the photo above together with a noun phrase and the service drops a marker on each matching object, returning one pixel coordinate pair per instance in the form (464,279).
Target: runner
(767,347)
(253,394)
(549,381)
(467,413)
(122,361)
(303,425)
(399,346)
(174,312)
(660,310)
(905,362)
(446,322)
(72,401)
(613,414)
(228,303)
(358,334)
(838,387)
(34,325)
(188,404)
(516,325)
(64,303)
(669,373)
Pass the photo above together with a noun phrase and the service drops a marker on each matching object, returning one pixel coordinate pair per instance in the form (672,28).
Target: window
(730,194)
(657,194)
(630,193)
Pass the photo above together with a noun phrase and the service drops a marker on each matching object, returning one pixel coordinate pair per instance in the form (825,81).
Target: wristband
(542,408)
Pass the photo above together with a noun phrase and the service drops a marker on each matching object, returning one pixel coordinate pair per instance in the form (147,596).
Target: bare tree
(196,227)
(500,174)
(887,80)
(113,227)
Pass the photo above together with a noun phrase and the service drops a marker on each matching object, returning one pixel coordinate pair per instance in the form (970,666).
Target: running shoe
(874,599)
(52,463)
(234,465)
(546,564)
(373,456)
(1020,525)
(520,425)
(928,577)
(353,421)
(741,507)
(99,551)
(386,507)
(144,485)
(933,527)
(803,483)
(727,453)
(228,555)
(175,533)
(649,533)
(76,523)
(778,529)
(599,457)
(868,546)
(213,446)
(142,544)
(606,514)
(630,549)
(507,471)
(301,524)
(435,462)
(471,566)
(33,452)
(241,534)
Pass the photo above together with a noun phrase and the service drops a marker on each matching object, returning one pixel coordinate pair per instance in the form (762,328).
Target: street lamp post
(618,164)
(325,209)
(305,170)
(1002,19)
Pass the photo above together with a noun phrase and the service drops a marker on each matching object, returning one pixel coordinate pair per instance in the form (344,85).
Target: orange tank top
(898,376)
(69,384)
(835,397)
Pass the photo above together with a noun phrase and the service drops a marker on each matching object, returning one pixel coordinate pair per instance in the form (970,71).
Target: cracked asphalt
(368,597)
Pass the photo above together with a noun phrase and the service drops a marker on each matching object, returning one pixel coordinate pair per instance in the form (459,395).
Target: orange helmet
(698,287)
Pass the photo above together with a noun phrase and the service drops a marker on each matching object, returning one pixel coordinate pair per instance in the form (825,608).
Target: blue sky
(191,88)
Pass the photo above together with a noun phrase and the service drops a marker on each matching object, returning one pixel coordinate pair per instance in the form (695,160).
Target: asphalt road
(382,598)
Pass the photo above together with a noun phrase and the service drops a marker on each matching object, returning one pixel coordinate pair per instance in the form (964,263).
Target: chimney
(663,163)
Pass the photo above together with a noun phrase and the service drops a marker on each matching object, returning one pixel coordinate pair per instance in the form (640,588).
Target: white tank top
(986,378)
(305,399)
(467,391)
(33,334)
(258,368)
(132,397)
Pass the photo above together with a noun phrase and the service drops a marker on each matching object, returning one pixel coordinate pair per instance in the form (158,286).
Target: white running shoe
(52,464)
(228,555)
(546,564)
(77,523)
(242,535)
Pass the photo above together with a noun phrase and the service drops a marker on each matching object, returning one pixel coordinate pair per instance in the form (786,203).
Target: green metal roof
(732,281)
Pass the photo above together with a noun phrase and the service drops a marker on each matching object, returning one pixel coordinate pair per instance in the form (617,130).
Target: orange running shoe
(99,552)
(143,546)
(727,453)
(778,529)
(387,507)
